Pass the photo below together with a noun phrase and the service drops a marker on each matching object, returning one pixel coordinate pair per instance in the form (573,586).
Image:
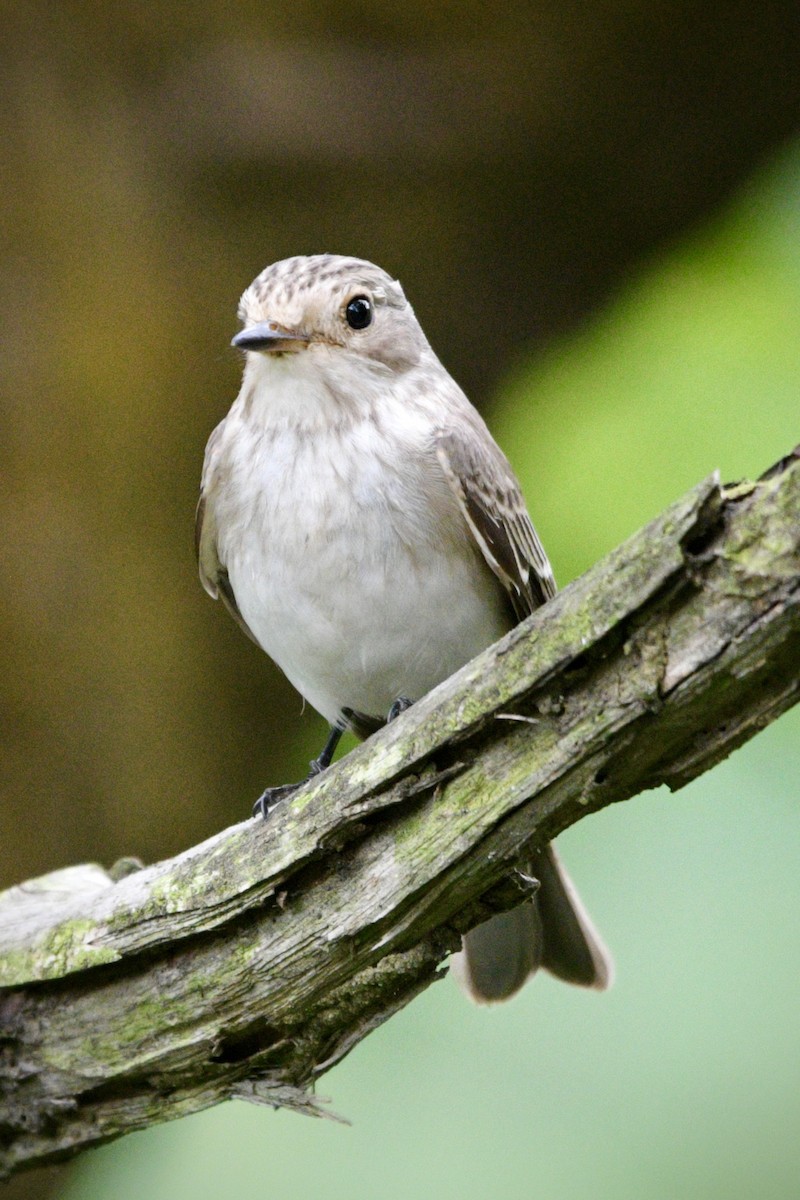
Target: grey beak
(268,336)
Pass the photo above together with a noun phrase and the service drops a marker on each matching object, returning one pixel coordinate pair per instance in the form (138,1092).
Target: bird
(363,527)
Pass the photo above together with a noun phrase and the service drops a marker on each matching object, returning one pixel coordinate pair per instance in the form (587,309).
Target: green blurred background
(595,209)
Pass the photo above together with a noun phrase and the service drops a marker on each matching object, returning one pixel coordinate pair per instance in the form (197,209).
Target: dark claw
(269,799)
(272,797)
(400,705)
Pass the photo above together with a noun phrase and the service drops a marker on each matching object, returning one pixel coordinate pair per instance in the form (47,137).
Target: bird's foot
(400,705)
(270,798)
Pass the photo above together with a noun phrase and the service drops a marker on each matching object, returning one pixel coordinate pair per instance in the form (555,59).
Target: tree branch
(249,965)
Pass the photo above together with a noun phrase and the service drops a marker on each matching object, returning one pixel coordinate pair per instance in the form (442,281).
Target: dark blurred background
(594,209)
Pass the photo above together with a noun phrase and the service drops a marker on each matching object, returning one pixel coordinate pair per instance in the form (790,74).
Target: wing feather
(491,501)
(213,573)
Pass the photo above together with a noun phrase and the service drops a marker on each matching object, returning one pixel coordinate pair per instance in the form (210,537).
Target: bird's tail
(553,930)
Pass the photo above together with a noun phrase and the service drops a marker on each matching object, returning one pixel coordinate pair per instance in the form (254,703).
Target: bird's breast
(351,564)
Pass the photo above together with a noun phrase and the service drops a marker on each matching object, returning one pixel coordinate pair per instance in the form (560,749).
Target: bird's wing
(213,572)
(491,501)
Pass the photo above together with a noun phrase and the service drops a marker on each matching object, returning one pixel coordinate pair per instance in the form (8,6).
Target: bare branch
(250,964)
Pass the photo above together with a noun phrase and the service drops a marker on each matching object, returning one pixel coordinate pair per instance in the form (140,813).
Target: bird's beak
(270,337)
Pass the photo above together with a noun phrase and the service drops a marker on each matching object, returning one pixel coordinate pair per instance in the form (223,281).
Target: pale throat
(310,390)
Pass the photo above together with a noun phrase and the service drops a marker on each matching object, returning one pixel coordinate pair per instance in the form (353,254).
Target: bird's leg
(400,705)
(270,798)
(323,759)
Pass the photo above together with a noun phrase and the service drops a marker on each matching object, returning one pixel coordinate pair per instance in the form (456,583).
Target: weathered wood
(250,964)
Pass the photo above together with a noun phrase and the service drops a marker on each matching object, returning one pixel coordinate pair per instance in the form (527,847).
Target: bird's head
(333,307)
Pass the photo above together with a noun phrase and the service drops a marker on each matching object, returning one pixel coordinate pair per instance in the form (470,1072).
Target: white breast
(348,557)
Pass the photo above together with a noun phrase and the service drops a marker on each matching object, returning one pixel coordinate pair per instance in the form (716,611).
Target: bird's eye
(359,312)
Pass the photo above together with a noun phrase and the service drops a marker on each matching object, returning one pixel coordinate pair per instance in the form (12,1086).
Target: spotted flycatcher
(363,527)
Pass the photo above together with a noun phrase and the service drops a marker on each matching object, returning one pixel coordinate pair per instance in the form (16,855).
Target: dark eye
(359,312)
